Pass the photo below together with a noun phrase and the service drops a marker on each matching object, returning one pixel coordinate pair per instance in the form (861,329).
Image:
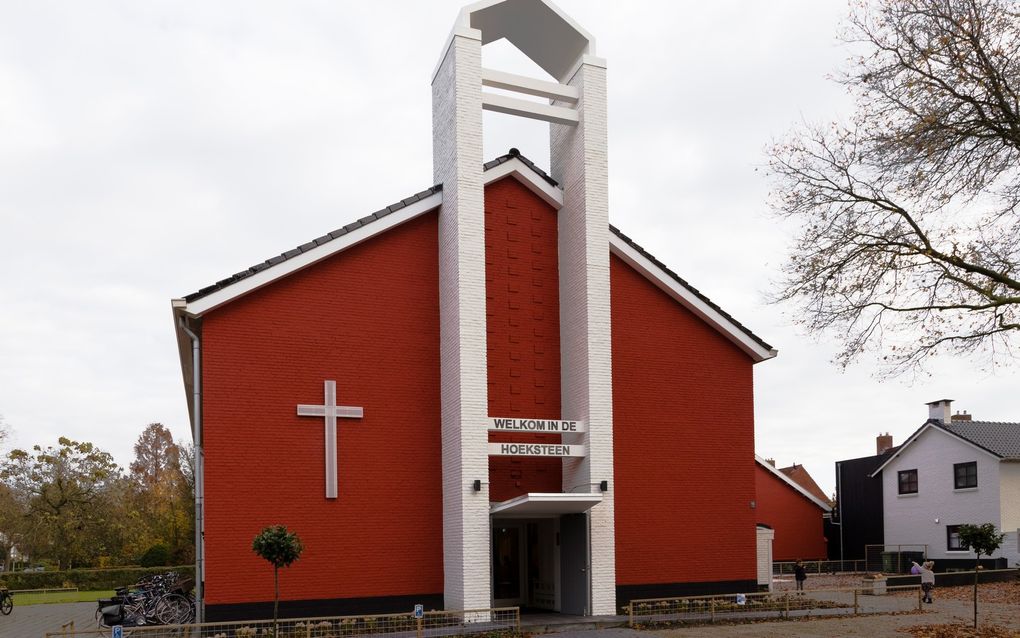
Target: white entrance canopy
(545,504)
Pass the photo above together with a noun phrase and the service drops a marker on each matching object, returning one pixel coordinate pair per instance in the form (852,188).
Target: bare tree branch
(909,241)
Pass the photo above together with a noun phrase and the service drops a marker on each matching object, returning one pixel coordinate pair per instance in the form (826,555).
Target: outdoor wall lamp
(477,485)
(604,486)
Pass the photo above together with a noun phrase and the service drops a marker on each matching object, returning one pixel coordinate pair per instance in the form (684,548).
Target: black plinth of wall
(325,607)
(627,593)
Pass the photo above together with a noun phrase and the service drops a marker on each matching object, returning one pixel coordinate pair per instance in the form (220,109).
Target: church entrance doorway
(541,564)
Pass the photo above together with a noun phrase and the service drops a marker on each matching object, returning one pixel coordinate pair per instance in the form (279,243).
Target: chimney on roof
(940,411)
(882,443)
(961,416)
(771,462)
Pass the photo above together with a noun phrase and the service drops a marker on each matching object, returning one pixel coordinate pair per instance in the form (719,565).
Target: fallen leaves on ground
(960,631)
(1008,592)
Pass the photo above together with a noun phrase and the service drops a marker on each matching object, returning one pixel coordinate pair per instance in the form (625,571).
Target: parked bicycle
(6,601)
(162,599)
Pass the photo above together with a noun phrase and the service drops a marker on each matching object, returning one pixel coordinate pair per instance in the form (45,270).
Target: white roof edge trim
(916,435)
(552,195)
(689,300)
(792,483)
(457,31)
(546,497)
(269,275)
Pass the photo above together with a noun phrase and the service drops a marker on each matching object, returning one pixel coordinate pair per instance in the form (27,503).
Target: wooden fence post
(856,607)
(630,613)
(711,603)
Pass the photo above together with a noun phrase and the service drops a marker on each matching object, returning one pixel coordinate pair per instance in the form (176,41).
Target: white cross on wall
(330,413)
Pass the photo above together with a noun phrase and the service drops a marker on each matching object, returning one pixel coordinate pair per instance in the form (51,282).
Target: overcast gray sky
(148,149)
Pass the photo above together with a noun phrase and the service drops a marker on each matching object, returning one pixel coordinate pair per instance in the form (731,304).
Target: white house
(953,471)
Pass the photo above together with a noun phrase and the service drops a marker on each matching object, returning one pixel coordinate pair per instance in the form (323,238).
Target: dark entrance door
(574,564)
(508,564)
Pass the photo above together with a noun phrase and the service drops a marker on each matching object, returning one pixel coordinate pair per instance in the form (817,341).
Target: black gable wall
(859,508)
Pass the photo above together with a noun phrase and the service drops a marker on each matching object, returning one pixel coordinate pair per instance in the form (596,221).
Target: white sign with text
(536,449)
(554,426)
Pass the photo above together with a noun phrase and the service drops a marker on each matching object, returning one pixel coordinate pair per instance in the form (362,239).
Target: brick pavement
(877,626)
(33,621)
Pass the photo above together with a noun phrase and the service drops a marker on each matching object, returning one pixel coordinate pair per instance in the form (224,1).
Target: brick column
(579,163)
(457,164)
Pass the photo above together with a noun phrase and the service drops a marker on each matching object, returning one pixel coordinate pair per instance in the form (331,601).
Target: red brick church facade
(364,307)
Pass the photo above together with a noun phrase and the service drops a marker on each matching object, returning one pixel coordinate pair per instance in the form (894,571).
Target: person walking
(800,575)
(927,578)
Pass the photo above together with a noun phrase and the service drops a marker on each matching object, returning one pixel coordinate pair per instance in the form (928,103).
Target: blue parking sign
(419,611)
(117,632)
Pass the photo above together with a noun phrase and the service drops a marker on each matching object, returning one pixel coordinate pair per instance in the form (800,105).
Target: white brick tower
(576,112)
(457,165)
(579,163)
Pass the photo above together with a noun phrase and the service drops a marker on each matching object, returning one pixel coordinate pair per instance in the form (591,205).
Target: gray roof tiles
(697,293)
(1001,439)
(502,159)
(294,252)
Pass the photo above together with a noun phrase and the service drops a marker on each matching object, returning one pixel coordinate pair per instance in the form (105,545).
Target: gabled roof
(541,30)
(713,314)
(318,241)
(799,475)
(822,503)
(1001,440)
(538,181)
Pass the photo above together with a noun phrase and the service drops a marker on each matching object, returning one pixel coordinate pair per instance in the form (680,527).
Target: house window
(953,539)
(965,475)
(908,482)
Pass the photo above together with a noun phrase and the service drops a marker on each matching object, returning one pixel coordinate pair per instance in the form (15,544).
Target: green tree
(64,487)
(281,548)
(163,492)
(982,540)
(909,214)
(187,496)
(13,519)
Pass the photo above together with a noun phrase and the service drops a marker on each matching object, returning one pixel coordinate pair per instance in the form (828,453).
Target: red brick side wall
(796,520)
(523,330)
(368,318)
(683,425)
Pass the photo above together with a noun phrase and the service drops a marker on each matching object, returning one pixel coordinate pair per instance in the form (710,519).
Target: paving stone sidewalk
(870,626)
(33,621)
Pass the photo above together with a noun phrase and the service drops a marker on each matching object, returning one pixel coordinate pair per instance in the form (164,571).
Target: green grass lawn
(36,598)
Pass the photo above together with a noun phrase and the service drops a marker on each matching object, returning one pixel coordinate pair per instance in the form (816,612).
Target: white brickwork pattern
(580,163)
(922,518)
(457,164)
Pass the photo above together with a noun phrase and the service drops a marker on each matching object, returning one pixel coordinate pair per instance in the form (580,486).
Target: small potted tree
(981,539)
(280,548)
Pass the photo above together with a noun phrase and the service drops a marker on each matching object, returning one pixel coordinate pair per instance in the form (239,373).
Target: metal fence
(763,605)
(496,623)
(820,567)
(893,559)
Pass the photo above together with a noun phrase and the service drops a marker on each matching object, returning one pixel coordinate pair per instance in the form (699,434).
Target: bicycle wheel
(174,609)
(7,604)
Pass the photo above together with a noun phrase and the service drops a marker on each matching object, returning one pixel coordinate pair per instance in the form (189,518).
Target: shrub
(156,556)
(88,579)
